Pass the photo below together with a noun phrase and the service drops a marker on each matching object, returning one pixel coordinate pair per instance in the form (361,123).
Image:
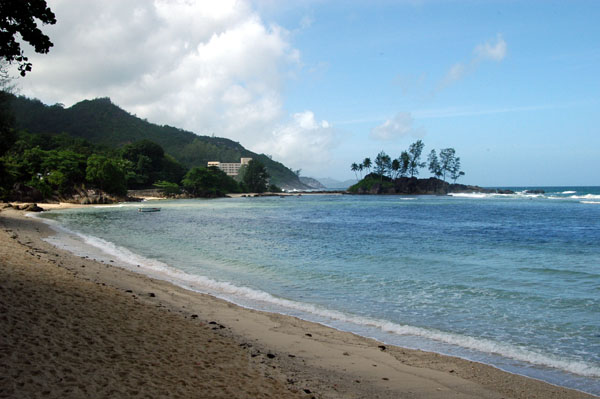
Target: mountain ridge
(102,122)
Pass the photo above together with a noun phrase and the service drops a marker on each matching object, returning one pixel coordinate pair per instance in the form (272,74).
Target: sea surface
(507,280)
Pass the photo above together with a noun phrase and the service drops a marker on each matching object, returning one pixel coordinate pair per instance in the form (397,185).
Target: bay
(508,280)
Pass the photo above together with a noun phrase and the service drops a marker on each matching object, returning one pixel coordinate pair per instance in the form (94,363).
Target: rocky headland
(414,186)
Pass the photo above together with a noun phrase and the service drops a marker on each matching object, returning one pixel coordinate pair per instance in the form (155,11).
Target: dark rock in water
(500,191)
(535,192)
(430,186)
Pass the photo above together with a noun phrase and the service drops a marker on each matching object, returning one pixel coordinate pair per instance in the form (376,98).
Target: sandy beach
(72,327)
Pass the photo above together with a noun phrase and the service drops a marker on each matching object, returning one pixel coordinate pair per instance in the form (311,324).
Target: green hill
(103,123)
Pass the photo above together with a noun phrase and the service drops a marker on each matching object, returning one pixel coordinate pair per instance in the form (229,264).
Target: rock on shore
(414,186)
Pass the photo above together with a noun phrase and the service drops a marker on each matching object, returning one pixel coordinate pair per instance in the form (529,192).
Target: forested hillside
(101,122)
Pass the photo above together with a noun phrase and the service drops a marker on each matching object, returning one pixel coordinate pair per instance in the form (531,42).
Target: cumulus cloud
(303,142)
(401,125)
(209,67)
(488,51)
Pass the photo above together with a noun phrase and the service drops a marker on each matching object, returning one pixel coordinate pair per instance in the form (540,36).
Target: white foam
(590,202)
(586,197)
(473,195)
(569,192)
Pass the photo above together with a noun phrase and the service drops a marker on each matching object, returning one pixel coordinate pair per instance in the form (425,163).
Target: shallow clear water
(512,281)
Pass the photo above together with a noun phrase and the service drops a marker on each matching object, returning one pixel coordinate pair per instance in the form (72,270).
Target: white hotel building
(232,169)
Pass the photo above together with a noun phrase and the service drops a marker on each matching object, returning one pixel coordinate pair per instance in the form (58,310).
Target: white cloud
(487,51)
(303,142)
(494,52)
(401,125)
(209,67)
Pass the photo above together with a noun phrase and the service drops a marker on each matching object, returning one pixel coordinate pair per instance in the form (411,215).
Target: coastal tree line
(409,163)
(57,167)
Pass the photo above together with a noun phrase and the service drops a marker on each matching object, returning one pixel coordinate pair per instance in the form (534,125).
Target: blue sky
(528,118)
(513,86)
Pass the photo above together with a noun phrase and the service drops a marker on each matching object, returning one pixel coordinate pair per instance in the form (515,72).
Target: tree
(455,171)
(148,163)
(383,164)
(209,182)
(7,119)
(395,168)
(19,17)
(414,151)
(354,168)
(107,174)
(367,164)
(63,169)
(256,177)
(434,164)
(360,169)
(404,160)
(447,160)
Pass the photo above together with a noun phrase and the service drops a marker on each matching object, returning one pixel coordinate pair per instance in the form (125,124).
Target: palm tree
(360,169)
(354,168)
(395,168)
(367,164)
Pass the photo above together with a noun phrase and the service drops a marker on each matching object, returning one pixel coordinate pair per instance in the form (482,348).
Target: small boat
(148,209)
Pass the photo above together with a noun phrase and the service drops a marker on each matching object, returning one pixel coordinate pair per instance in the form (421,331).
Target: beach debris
(151,294)
(217,325)
(194,316)
(382,347)
(308,334)
(271,356)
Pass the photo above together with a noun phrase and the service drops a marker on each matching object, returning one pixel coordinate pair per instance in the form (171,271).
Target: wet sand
(72,327)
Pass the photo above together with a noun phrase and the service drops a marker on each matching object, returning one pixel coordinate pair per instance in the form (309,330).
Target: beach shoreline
(282,355)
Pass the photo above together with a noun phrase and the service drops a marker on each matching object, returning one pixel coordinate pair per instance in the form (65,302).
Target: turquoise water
(509,280)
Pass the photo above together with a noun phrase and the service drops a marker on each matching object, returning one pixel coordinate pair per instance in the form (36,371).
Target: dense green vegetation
(209,182)
(255,177)
(102,123)
(44,165)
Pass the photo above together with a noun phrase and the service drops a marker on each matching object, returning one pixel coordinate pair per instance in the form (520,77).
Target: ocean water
(507,280)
